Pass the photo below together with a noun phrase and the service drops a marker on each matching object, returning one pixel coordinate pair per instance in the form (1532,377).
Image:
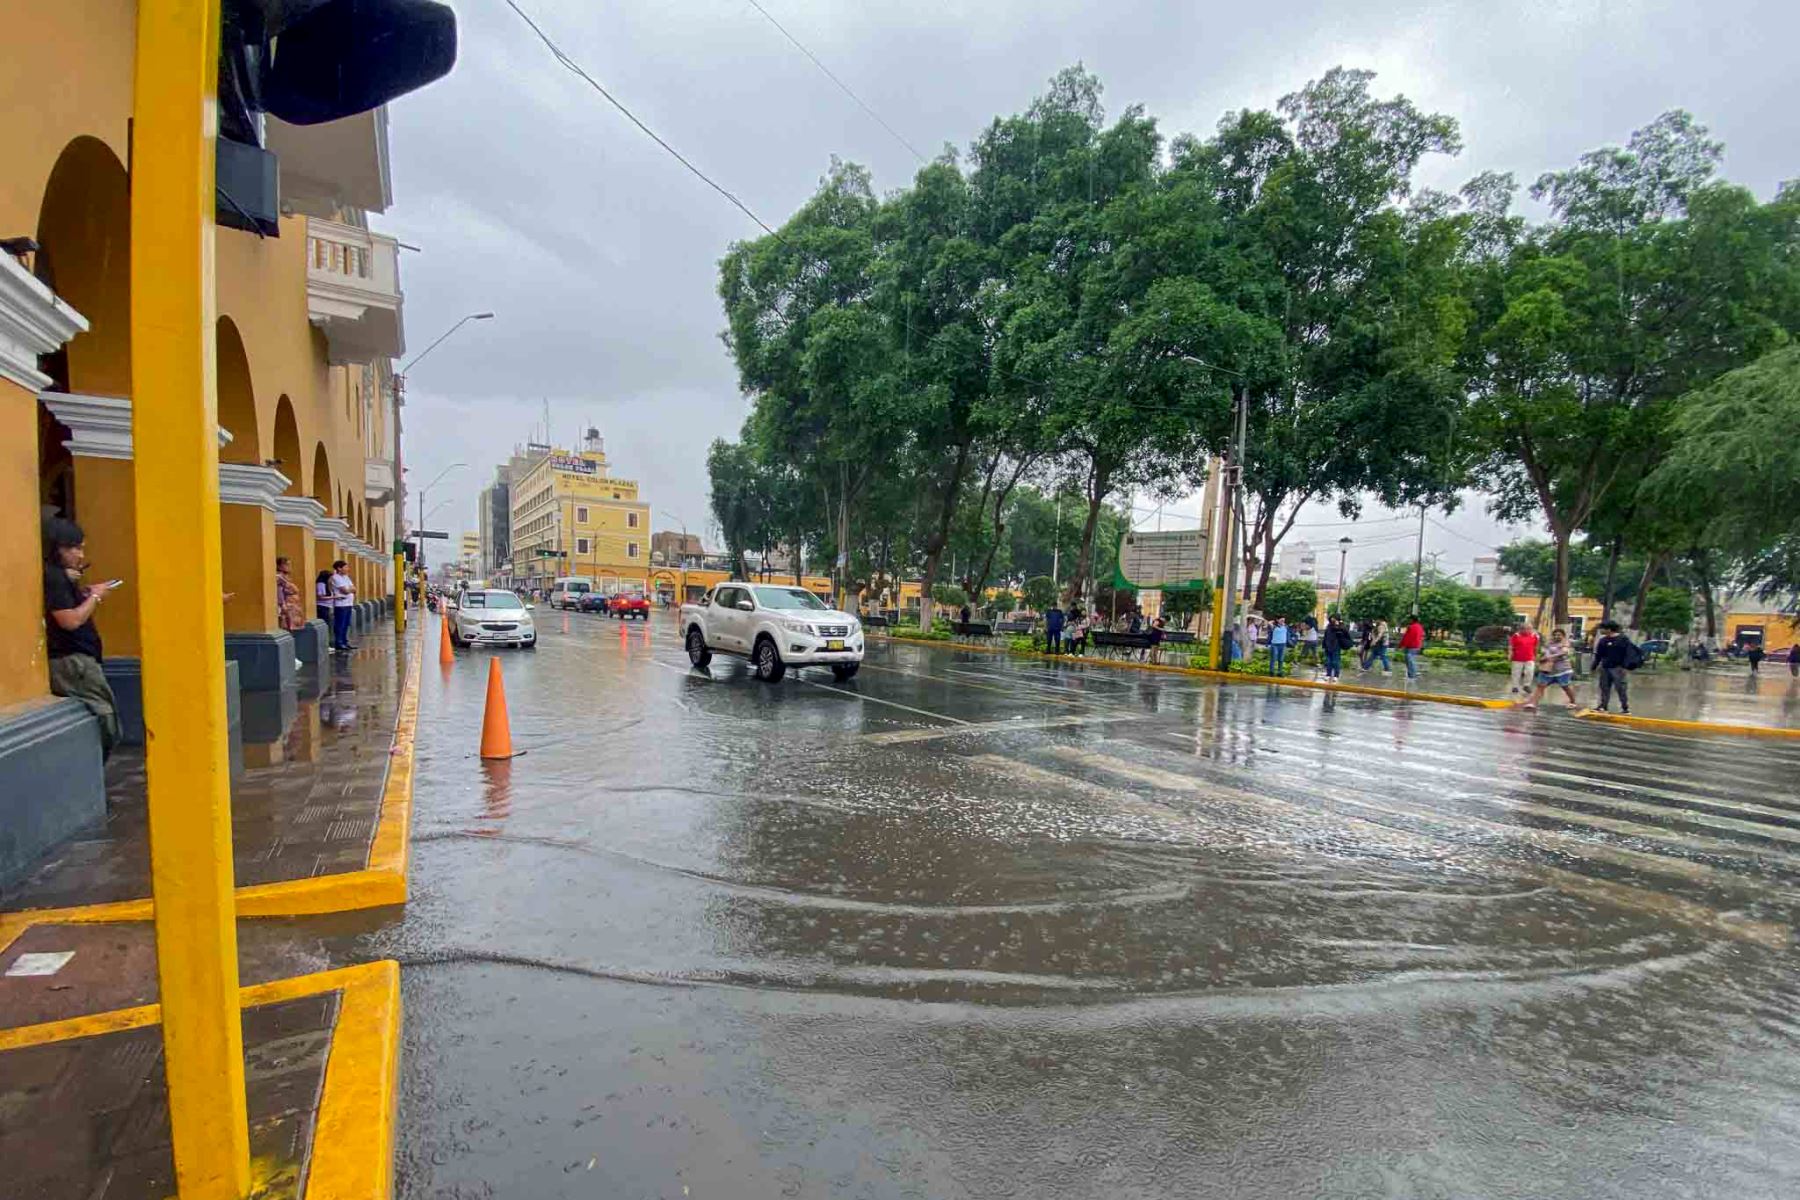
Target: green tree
(1294,599)
(1440,608)
(1648,281)
(949,595)
(1358,393)
(1373,601)
(1181,604)
(1736,459)
(1003,601)
(1039,593)
(1668,611)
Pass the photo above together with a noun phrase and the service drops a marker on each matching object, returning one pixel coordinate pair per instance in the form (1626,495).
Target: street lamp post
(420,531)
(444,337)
(1343,559)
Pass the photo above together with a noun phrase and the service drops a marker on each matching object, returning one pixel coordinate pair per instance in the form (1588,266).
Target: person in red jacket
(1523,647)
(1411,642)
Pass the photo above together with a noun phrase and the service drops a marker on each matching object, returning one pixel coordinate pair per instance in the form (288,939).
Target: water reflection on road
(972,926)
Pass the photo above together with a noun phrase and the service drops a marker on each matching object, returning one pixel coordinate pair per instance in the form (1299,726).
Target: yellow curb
(353,1138)
(381,883)
(1354,689)
(1766,731)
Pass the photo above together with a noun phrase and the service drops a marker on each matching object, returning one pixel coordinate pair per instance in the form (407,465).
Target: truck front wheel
(698,654)
(767,660)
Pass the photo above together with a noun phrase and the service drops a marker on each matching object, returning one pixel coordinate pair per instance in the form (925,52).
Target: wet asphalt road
(976,926)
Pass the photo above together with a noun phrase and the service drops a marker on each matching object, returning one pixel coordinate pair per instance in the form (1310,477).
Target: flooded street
(978,926)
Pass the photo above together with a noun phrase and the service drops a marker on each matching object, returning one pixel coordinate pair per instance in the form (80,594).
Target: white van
(566,593)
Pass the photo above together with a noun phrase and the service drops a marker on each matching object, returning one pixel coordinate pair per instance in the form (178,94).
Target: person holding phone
(71,639)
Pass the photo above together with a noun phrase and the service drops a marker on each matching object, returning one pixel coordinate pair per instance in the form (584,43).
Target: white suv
(775,626)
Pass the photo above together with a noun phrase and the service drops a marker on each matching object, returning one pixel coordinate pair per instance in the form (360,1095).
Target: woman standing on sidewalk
(323,603)
(288,613)
(1375,648)
(1556,668)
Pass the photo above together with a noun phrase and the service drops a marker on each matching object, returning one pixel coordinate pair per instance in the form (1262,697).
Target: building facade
(571,516)
(1297,560)
(309,318)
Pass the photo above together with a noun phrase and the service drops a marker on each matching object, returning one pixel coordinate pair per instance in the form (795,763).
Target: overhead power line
(842,86)
(577,69)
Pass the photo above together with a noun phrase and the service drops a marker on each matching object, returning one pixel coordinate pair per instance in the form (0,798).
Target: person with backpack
(1615,656)
(1337,639)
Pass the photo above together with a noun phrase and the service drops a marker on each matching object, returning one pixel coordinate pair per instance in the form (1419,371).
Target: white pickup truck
(775,626)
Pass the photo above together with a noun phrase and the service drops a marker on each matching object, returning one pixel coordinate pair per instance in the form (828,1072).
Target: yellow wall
(67,78)
(22,655)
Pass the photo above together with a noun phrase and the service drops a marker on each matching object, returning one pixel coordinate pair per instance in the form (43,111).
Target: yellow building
(307,320)
(570,516)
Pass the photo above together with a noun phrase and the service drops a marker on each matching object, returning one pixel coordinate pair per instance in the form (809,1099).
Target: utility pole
(1056,547)
(1419,562)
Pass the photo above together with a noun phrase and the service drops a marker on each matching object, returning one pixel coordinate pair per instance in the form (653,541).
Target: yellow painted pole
(399,593)
(174,428)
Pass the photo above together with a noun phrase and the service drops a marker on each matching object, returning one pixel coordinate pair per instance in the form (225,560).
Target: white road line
(971,729)
(890,703)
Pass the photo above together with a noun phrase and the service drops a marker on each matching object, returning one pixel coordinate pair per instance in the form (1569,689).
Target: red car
(631,605)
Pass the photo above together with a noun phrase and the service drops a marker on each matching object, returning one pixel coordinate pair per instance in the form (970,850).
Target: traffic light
(307,62)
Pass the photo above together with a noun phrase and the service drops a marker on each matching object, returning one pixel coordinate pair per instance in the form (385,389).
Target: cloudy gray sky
(530,196)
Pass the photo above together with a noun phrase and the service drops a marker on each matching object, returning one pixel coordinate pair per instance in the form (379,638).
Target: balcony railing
(378,481)
(353,291)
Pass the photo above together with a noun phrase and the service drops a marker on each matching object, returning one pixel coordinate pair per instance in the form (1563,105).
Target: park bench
(875,621)
(1103,641)
(972,628)
(1179,637)
(1013,627)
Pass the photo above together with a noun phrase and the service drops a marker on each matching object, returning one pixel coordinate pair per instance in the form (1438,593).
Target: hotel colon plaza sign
(574,464)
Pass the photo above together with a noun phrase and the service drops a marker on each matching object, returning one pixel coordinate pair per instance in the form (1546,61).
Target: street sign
(428,533)
(1173,558)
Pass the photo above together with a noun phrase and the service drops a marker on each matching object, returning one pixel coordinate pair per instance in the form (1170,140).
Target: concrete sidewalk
(314,813)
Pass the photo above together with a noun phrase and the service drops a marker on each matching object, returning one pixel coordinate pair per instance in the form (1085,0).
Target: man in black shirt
(69,633)
(1610,655)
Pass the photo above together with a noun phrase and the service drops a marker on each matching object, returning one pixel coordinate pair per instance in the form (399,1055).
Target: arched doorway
(237,400)
(84,256)
(293,542)
(287,447)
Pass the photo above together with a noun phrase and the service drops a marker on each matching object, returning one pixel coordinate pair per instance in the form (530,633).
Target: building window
(616,496)
(631,520)
(583,546)
(631,549)
(581,514)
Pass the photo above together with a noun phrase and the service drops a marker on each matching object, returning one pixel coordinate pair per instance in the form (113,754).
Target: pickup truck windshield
(786,598)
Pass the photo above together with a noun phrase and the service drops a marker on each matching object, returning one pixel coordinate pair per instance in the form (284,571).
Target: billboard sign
(574,464)
(1174,558)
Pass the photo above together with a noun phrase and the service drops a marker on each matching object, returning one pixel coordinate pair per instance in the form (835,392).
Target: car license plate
(835,644)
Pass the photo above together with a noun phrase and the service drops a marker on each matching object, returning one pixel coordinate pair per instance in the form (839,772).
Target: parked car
(594,602)
(1655,646)
(491,617)
(775,627)
(631,604)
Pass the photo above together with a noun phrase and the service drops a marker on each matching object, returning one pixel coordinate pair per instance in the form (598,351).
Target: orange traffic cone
(496,730)
(446,654)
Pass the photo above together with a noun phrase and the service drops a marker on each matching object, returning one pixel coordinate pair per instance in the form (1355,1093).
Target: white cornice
(244,483)
(99,426)
(335,528)
(301,511)
(33,321)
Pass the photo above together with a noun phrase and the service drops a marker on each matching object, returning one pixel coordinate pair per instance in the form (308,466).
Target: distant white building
(1298,560)
(1485,575)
